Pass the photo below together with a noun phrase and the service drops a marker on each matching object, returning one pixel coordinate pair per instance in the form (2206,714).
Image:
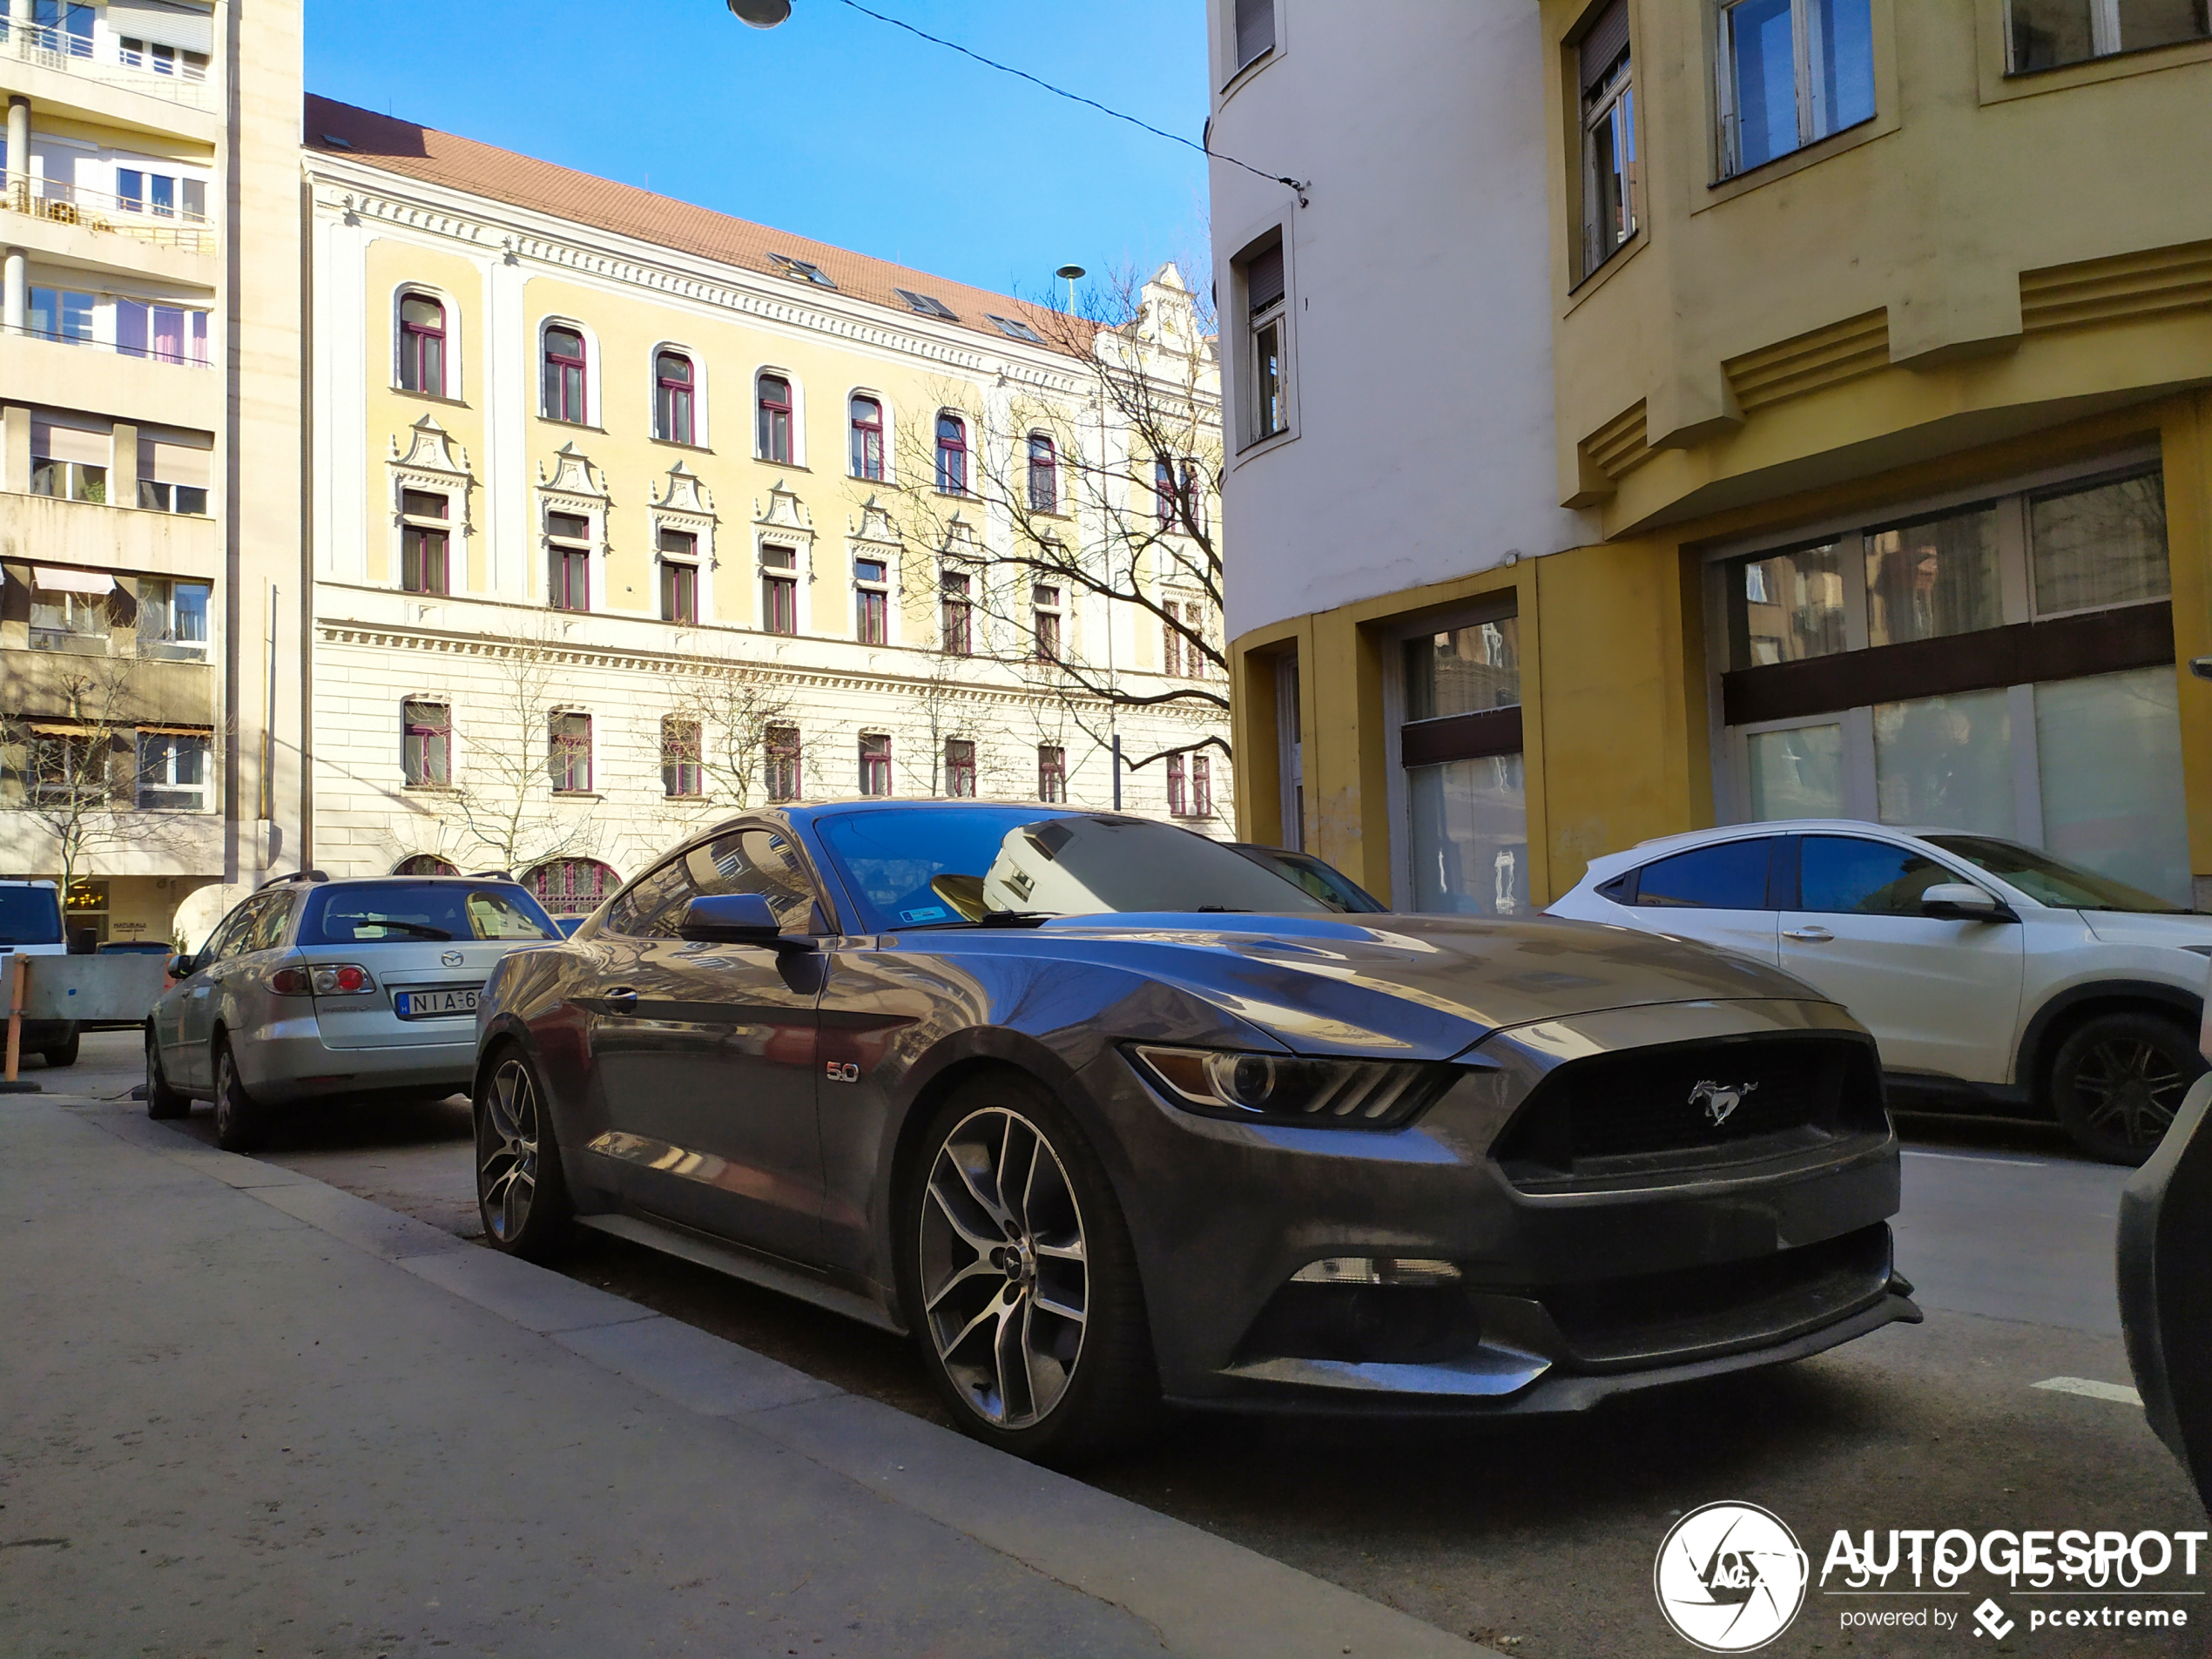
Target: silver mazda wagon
(314,988)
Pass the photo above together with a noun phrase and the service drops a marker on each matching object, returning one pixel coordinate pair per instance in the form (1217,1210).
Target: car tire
(63,1054)
(1037,1339)
(522,1192)
(161,1100)
(2117,1081)
(241,1124)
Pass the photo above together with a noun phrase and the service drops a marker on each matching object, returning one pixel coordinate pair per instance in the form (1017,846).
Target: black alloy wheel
(161,1100)
(520,1192)
(2118,1080)
(1019,1281)
(240,1123)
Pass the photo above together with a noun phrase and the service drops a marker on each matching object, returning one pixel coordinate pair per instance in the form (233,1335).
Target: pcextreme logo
(1730,1577)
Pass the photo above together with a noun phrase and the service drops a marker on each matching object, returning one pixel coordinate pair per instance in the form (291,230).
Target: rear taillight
(338,979)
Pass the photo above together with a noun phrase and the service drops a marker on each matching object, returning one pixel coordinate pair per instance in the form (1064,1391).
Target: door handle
(621,1000)
(1808,935)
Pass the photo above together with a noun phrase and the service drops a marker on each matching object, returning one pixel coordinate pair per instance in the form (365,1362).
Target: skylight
(929,305)
(1014,330)
(335,142)
(803,270)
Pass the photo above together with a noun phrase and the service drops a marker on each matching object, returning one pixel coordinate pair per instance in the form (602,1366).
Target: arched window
(424,864)
(1044,475)
(564,376)
(867,438)
(672,397)
(951,454)
(422,345)
(775,419)
(571,886)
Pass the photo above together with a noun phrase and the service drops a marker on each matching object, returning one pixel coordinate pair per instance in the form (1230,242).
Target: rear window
(30,916)
(381,912)
(1731,876)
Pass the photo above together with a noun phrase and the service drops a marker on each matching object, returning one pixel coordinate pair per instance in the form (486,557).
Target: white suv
(1995,977)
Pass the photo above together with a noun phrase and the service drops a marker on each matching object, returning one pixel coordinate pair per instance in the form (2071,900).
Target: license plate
(434,1005)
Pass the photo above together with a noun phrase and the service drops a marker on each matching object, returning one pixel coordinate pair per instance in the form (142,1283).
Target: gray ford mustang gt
(1107,1115)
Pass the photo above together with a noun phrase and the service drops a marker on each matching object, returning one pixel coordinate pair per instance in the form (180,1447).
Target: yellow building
(1664,415)
(627,513)
(150,452)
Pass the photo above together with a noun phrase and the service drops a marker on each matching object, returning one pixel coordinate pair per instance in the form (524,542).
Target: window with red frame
(422,345)
(568,537)
(1182,626)
(426,743)
(956,613)
(564,379)
(782,763)
(672,397)
(422,542)
(871,601)
(568,754)
(1045,603)
(681,775)
(779,590)
(774,436)
(867,438)
(1178,788)
(1044,474)
(1052,772)
(960,768)
(679,575)
(875,766)
(571,886)
(1194,496)
(1201,786)
(1163,492)
(952,455)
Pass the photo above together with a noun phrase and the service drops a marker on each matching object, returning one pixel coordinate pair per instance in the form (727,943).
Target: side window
(756,860)
(228,938)
(1844,875)
(664,889)
(266,931)
(1733,876)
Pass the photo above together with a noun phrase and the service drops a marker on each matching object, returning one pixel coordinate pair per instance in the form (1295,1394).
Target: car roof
(1608,864)
(22,882)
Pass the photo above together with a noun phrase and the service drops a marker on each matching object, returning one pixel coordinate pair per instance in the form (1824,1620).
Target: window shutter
(1255,29)
(164,23)
(164,461)
(52,441)
(1603,42)
(1264,279)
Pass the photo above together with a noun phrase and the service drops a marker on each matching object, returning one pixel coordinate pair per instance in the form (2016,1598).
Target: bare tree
(74,772)
(1113,500)
(506,800)
(731,708)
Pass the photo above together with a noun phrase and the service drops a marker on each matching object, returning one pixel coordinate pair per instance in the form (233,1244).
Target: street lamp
(761,14)
(1071,274)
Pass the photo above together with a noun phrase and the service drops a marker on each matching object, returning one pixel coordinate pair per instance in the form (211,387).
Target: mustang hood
(1414,987)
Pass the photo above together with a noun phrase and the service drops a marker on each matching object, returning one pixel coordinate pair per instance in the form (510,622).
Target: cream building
(627,514)
(151,614)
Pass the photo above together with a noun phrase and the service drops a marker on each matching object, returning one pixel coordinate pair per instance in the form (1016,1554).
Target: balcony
(169,76)
(104,214)
(101,379)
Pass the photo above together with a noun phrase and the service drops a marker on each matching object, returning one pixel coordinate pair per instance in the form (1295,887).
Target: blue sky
(833,125)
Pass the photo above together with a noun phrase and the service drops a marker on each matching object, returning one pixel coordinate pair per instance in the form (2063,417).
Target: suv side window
(1731,876)
(265,931)
(229,939)
(1844,876)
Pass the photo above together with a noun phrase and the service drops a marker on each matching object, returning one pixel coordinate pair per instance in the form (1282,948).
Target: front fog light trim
(1377,1270)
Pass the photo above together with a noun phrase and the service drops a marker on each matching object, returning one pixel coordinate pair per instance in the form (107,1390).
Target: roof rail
(295,875)
(490,875)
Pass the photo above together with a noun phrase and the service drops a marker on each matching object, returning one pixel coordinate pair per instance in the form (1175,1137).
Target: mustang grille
(1684,1105)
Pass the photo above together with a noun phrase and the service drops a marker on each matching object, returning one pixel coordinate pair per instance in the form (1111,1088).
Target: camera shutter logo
(1730,1577)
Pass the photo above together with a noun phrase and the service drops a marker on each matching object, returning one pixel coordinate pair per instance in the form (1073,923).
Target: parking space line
(2091,1389)
(1977,1157)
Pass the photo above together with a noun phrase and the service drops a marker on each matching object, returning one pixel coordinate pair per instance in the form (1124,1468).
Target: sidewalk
(247,1413)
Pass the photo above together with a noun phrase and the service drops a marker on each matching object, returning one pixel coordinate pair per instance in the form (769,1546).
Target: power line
(1077,97)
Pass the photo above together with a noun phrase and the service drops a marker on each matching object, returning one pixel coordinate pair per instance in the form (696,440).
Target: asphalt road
(1539,1538)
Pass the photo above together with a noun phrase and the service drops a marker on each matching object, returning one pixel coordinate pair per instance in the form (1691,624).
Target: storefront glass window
(1946,762)
(2103,546)
(1935,577)
(1797,773)
(1787,606)
(1470,837)
(1465,671)
(2109,751)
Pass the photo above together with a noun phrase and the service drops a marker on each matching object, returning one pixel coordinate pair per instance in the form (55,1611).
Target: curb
(1207,1597)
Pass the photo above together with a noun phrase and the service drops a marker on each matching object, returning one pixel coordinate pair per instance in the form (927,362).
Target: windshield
(378,911)
(936,866)
(30,916)
(1326,882)
(2051,882)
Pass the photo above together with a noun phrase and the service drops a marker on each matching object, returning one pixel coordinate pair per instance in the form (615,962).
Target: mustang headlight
(1282,1089)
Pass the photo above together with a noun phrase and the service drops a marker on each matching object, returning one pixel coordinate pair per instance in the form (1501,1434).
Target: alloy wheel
(507,1150)
(1005,1282)
(2128,1090)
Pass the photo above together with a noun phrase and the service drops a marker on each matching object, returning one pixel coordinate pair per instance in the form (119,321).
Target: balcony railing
(99,210)
(173,77)
(180,355)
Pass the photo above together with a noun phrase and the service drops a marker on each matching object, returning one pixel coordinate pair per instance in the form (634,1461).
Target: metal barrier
(120,987)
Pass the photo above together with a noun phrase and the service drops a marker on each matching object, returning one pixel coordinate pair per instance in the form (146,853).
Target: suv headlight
(1284,1088)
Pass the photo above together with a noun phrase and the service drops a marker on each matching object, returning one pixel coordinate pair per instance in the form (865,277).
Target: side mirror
(1964,901)
(181,967)
(731,919)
